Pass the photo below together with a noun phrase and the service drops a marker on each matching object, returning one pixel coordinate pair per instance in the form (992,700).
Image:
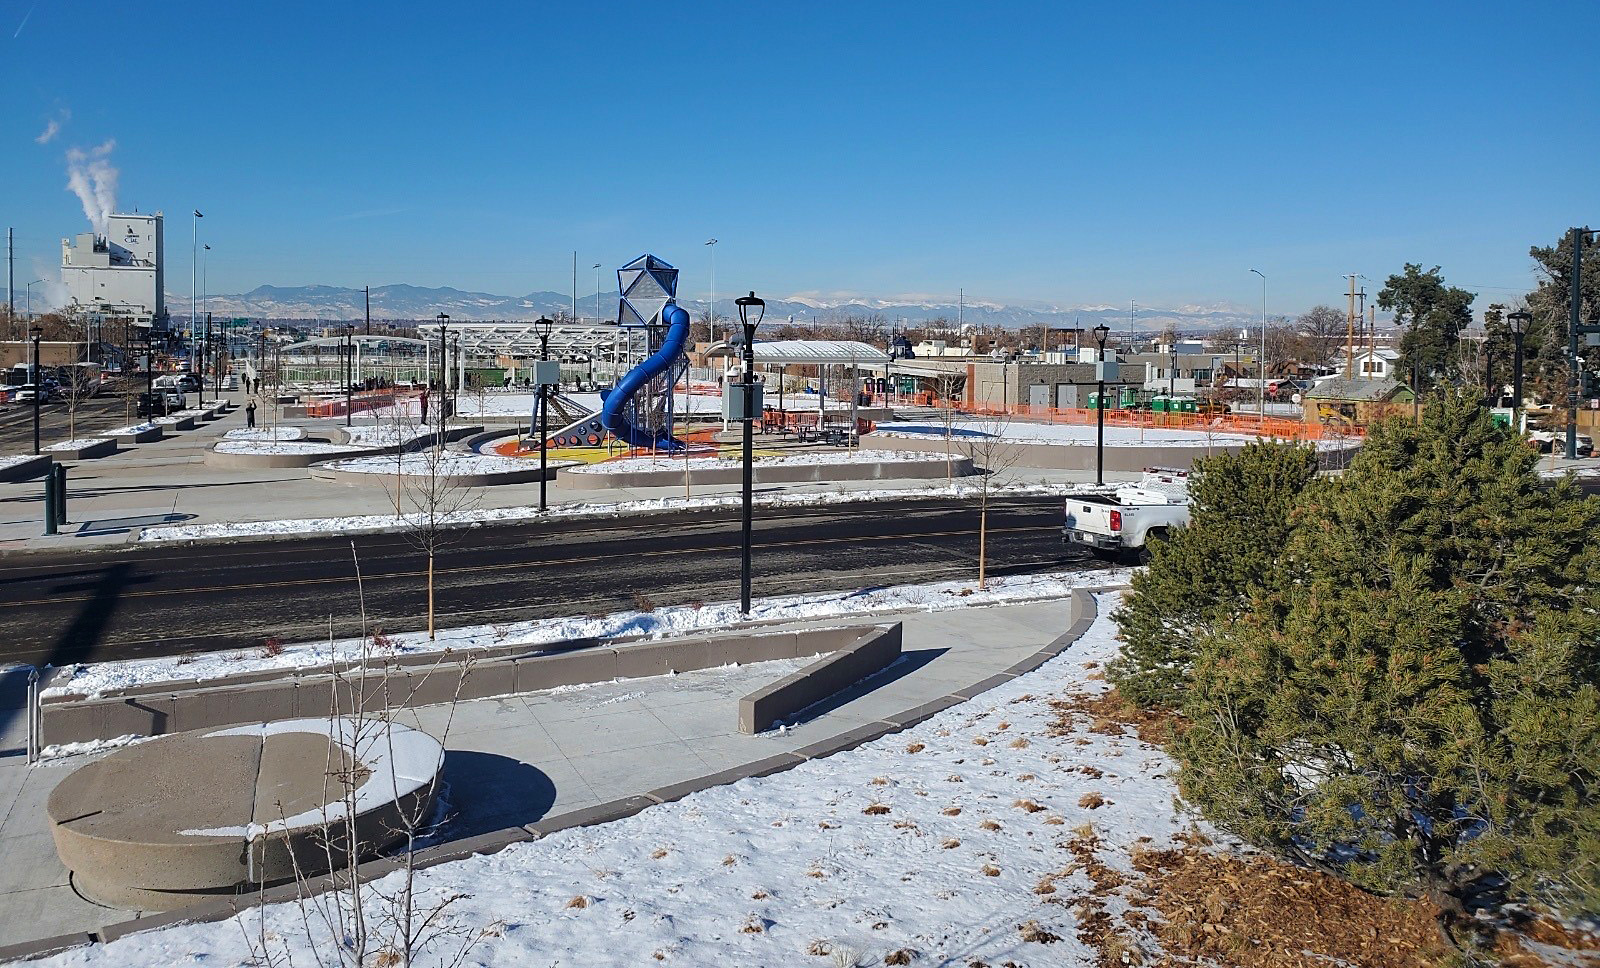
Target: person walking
(250,416)
(424,400)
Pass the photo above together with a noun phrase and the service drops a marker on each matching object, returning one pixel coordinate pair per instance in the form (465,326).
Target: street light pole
(1100,333)
(1518,321)
(194,251)
(349,355)
(444,373)
(1262,390)
(745,304)
(713,244)
(38,383)
(544,325)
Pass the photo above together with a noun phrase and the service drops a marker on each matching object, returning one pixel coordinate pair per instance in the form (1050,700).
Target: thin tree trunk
(983,538)
(430,596)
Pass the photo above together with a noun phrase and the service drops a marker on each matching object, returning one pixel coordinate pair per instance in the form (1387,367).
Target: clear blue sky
(1069,152)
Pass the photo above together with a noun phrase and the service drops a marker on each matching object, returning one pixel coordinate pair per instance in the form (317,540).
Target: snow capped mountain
(404,302)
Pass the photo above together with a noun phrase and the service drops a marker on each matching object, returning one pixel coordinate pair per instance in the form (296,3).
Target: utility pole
(1350,330)
(11,282)
(368,291)
(574,287)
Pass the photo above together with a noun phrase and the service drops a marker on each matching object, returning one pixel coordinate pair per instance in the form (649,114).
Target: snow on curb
(369,523)
(955,839)
(95,679)
(626,465)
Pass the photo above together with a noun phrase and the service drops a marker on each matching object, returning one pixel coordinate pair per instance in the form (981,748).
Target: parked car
(152,405)
(189,382)
(27,390)
(1124,520)
(175,400)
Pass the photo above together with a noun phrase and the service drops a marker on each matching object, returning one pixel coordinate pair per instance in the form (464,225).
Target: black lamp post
(543,326)
(150,372)
(38,383)
(349,367)
(444,372)
(1518,321)
(1100,334)
(745,304)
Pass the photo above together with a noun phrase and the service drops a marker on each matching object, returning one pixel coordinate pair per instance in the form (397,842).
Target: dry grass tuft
(658,853)
(1045,886)
(819,948)
(903,956)
(1055,820)
(753,925)
(759,895)
(876,809)
(1091,801)
(989,825)
(580,902)
(1020,743)
(729,861)
(1003,725)
(950,843)
(951,811)
(815,874)
(989,870)
(980,741)
(879,781)
(915,747)
(1036,933)
(1028,805)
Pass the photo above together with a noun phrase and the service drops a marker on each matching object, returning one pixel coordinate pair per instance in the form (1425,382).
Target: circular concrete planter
(241,461)
(137,436)
(91,448)
(488,478)
(190,816)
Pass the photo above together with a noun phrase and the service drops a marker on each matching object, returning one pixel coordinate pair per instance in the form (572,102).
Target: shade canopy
(806,352)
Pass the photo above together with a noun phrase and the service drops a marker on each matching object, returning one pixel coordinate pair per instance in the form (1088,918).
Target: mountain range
(403,302)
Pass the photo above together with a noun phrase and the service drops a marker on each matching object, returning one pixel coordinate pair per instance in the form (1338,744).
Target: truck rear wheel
(1141,554)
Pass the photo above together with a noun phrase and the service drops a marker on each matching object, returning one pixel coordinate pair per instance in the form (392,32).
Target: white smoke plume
(49,134)
(92,177)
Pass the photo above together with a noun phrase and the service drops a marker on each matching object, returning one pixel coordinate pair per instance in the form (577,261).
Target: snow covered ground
(15,459)
(518,404)
(363,523)
(284,447)
(97,678)
(271,434)
(992,833)
(383,435)
(138,428)
(629,464)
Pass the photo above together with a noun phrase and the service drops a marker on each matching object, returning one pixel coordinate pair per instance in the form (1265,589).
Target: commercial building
(118,274)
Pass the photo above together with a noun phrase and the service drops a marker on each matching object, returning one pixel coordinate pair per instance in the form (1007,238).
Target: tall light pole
(1518,321)
(38,383)
(30,296)
(543,326)
(1262,390)
(194,247)
(444,374)
(349,368)
(1100,333)
(745,304)
(713,244)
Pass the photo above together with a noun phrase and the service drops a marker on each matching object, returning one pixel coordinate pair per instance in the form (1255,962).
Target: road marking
(345,579)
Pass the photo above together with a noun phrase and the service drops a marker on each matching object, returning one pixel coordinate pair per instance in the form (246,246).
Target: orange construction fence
(1280,428)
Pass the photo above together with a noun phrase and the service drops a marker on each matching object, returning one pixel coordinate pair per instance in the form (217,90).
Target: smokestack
(92,178)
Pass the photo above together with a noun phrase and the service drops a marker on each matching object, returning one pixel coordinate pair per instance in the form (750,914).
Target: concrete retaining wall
(176,423)
(242,461)
(864,470)
(1064,456)
(26,470)
(99,448)
(873,651)
(427,680)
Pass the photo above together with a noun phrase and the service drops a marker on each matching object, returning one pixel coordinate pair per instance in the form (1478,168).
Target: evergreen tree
(1206,572)
(1419,707)
(1434,316)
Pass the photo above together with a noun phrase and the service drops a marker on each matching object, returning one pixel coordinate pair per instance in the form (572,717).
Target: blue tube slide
(612,416)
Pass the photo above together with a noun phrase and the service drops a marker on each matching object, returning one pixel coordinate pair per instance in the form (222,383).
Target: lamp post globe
(1101,332)
(444,371)
(747,305)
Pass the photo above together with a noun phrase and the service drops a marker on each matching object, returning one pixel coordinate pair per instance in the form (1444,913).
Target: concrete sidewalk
(168,482)
(513,760)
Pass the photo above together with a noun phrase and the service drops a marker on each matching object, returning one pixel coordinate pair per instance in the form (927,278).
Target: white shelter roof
(522,339)
(808,352)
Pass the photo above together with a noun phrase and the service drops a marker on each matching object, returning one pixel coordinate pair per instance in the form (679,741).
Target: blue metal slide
(615,410)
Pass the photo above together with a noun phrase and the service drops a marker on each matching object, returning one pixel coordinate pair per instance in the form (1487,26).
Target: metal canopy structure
(521,339)
(806,352)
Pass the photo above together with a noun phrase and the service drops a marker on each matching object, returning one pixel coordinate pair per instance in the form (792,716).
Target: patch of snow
(58,750)
(624,465)
(15,459)
(132,429)
(273,434)
(287,447)
(78,444)
(450,463)
(96,679)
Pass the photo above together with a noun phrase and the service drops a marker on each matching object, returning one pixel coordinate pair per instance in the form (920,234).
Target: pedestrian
(424,400)
(250,416)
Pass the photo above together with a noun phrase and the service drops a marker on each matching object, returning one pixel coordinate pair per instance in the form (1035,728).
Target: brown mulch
(1257,912)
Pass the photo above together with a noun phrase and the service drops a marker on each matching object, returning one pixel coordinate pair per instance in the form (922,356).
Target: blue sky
(1066,152)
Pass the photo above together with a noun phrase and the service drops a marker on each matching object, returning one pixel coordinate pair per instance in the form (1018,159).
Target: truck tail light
(1116,520)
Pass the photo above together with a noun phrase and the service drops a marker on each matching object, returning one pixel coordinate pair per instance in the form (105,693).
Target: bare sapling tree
(401,428)
(434,504)
(994,457)
(947,385)
(76,390)
(393,922)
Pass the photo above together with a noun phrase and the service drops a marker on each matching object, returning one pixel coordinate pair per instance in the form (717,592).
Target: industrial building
(118,274)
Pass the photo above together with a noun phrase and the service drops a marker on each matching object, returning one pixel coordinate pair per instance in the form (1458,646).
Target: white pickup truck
(1122,521)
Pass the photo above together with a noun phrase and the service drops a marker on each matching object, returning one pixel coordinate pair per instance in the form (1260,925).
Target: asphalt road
(104,411)
(61,609)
